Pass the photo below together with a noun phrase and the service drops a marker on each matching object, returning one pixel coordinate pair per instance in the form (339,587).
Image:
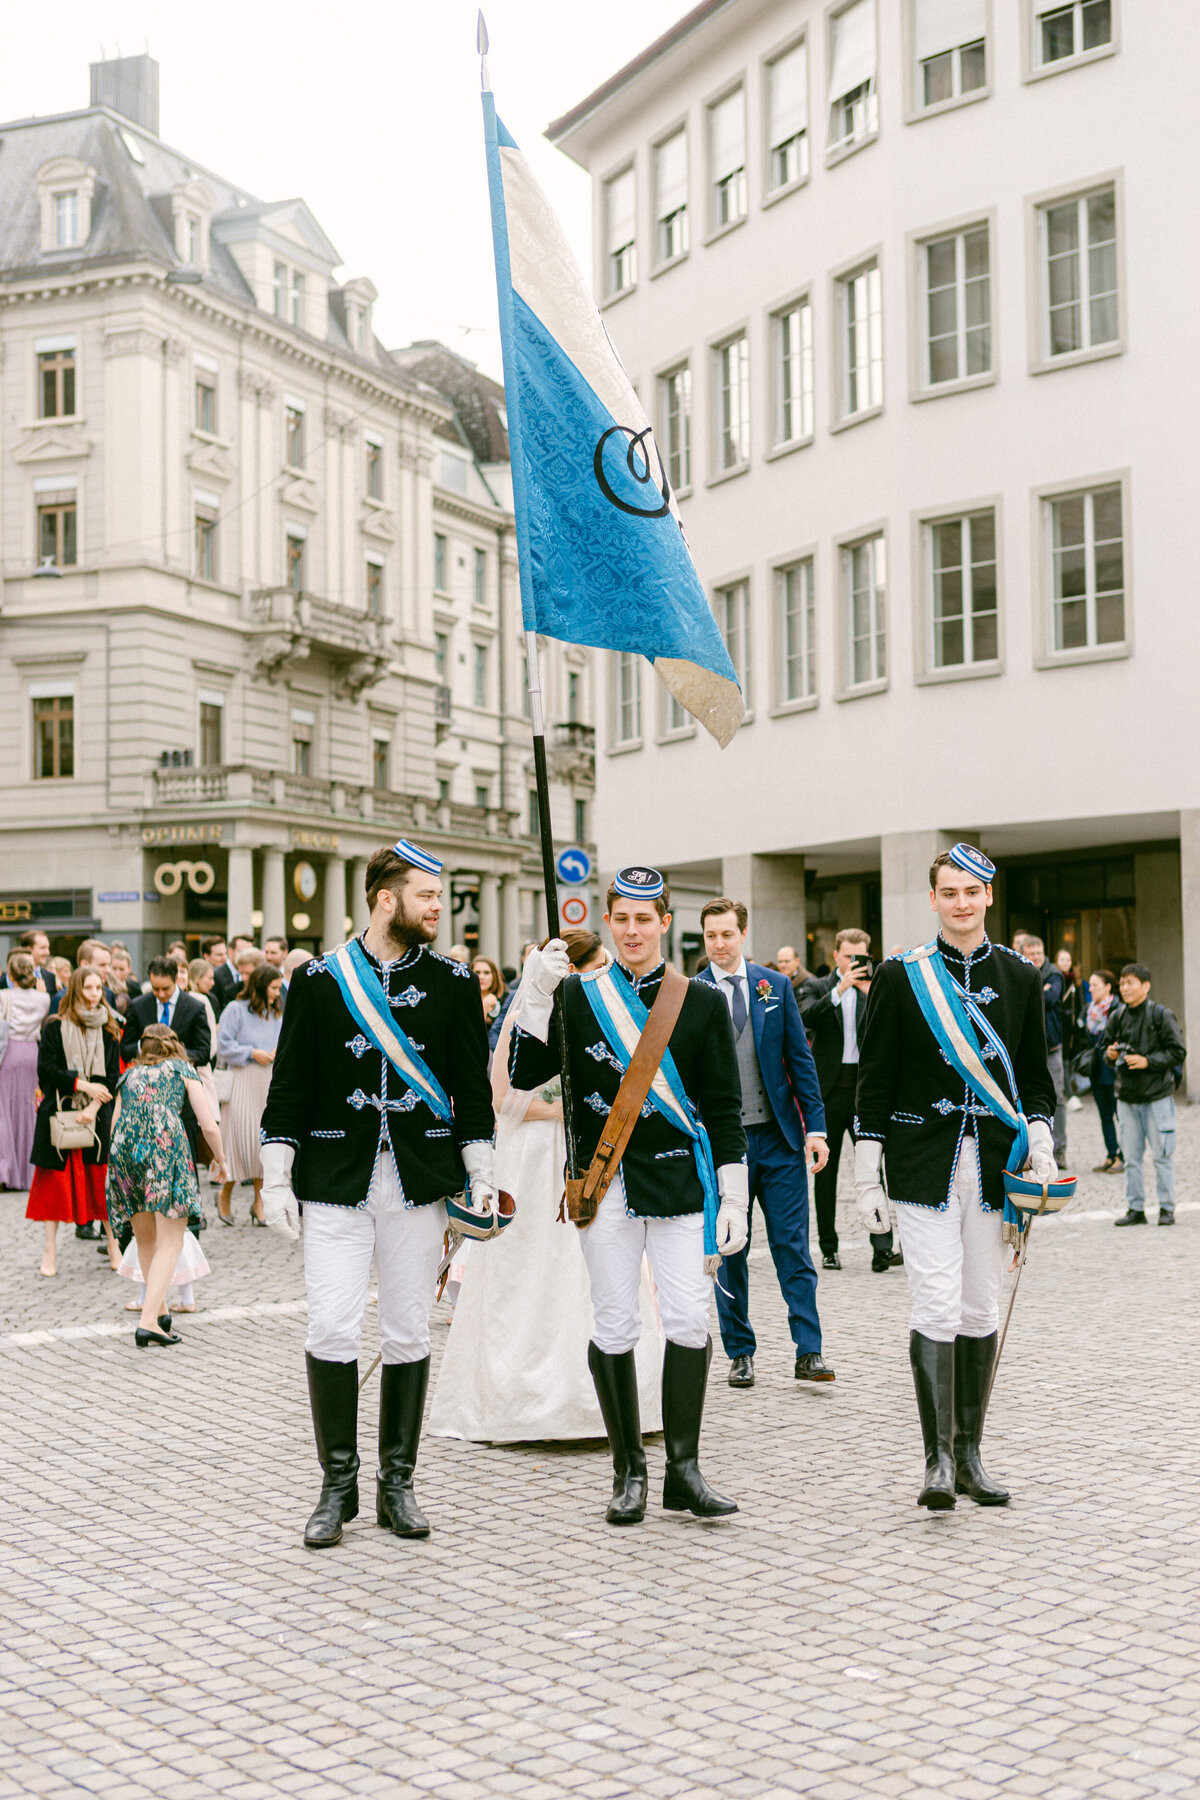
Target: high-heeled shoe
(255,1220)
(224,1218)
(164,1321)
(143,1339)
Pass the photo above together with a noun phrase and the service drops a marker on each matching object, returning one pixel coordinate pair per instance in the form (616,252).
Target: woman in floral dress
(151,1178)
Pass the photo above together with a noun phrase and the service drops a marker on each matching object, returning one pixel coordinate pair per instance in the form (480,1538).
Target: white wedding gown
(515,1367)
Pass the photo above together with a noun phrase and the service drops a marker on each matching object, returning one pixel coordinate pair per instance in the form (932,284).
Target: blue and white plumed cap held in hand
(974,862)
(420,859)
(639,884)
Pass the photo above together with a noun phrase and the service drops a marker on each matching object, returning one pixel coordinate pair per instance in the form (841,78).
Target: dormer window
(65,190)
(358,297)
(192,207)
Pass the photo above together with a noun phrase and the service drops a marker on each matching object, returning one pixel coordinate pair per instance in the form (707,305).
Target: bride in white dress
(515,1368)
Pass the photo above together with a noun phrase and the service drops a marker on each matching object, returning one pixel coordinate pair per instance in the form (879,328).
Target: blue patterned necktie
(739,1007)
(164,1008)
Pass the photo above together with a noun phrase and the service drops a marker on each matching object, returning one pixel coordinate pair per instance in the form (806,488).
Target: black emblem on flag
(644,466)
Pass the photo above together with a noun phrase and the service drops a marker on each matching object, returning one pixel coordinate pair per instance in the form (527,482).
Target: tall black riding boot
(933,1377)
(685,1376)
(402,1390)
(333,1396)
(974,1360)
(615,1378)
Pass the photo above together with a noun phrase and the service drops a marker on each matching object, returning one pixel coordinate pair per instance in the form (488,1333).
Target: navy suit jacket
(785,1061)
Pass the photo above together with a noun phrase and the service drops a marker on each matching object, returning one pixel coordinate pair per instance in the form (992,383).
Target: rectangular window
(380,759)
(853,101)
(295,563)
(1080,260)
(732,607)
(950,48)
(960,556)
(206,403)
(212,719)
(671,196)
(443,789)
(293,453)
(795,601)
(374,451)
(787,118)
(958,306)
(620,228)
(627,708)
(375,589)
(67,216)
(792,356)
(56,535)
(297,298)
(279,288)
(439,561)
(1071,30)
(206,544)
(56,384)
(1087,569)
(481,674)
(441,654)
(864,603)
(535,815)
(303,728)
(675,716)
(581,822)
(573,697)
(675,425)
(733,403)
(480,591)
(862,340)
(53,736)
(727,160)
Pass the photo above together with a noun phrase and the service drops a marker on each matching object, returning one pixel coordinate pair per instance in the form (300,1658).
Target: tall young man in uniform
(380,1106)
(946,1026)
(680,1194)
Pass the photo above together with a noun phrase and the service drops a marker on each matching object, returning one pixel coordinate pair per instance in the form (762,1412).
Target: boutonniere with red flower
(763,990)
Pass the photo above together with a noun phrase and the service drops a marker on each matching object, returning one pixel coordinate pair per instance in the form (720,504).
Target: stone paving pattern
(165,1633)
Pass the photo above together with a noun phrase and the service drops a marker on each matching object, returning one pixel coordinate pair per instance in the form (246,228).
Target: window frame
(213,700)
(845,421)
(661,377)
(295,558)
(660,264)
(619,746)
(917,243)
(781,706)
(713,229)
(302,720)
(373,592)
(844,543)
(833,154)
(373,469)
(914,110)
(381,750)
(1033,70)
(743,578)
(293,435)
(925,672)
(770,196)
(481,673)
(801,297)
(46,507)
(204,557)
(441,559)
(479,575)
(60,363)
(1042,498)
(610,294)
(63,690)
(1037,286)
(719,472)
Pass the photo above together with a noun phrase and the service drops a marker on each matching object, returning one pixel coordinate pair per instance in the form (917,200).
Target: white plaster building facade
(899,282)
(259,592)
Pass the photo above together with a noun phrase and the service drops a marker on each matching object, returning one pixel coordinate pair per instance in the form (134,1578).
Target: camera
(862,962)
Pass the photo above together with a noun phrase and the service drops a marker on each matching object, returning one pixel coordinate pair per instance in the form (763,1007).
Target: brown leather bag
(584,1195)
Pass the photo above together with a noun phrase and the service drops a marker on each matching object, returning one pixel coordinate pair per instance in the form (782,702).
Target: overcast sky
(370,112)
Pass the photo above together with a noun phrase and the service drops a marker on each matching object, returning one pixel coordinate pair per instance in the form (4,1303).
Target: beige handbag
(68,1131)
(223,1084)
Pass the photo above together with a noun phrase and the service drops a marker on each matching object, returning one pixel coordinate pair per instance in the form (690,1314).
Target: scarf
(84,1049)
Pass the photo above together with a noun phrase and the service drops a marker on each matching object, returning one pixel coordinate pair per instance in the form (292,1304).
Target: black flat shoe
(1132,1218)
(741,1372)
(144,1339)
(883,1260)
(810,1367)
(1166,1218)
(164,1321)
(831,1260)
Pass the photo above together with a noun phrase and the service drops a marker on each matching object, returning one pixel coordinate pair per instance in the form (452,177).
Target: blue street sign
(574,866)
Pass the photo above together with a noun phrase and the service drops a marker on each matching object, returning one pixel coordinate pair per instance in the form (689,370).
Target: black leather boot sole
(685,1378)
(615,1381)
(933,1377)
(402,1390)
(333,1397)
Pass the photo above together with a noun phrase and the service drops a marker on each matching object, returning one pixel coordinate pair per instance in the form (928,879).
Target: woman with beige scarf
(78,1068)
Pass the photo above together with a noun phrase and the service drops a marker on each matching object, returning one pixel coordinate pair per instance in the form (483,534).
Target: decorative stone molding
(338,423)
(132,340)
(174,350)
(209,461)
(59,180)
(253,385)
(41,445)
(377,522)
(299,492)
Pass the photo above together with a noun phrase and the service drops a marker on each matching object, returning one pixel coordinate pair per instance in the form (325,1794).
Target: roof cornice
(570,121)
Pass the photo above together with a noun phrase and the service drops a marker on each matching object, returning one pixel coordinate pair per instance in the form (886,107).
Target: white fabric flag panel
(946,24)
(853,49)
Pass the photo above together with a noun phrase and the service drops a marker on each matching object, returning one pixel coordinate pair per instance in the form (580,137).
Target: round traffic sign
(574,910)
(574,866)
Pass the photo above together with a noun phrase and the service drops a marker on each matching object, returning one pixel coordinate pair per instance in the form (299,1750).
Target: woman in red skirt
(78,1068)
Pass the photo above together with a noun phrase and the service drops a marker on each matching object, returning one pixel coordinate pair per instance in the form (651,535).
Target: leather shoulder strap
(636,1083)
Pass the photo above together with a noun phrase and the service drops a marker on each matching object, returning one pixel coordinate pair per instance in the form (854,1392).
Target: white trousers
(954,1259)
(339,1245)
(613,1246)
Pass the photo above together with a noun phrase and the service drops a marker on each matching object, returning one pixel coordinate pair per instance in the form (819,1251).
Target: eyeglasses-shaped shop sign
(170,877)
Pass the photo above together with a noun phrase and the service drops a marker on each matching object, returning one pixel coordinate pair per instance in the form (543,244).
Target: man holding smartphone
(830,1006)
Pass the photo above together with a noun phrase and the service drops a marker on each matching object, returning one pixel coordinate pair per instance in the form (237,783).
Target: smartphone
(861,962)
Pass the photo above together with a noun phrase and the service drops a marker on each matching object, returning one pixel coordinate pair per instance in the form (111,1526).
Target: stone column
(274,906)
(489,917)
(772,889)
(904,859)
(333,931)
(240,883)
(509,927)
(1189,858)
(357,897)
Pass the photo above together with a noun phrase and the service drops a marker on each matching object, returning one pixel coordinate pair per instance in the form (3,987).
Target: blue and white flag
(602,554)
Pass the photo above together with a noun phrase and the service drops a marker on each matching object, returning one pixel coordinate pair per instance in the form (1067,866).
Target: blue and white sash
(622,1018)
(953,1017)
(367,1000)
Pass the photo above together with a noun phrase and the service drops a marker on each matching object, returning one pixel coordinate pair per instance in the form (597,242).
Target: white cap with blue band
(639,884)
(974,862)
(420,859)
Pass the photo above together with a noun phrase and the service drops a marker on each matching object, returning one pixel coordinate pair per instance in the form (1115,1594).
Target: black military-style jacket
(659,1164)
(338,1100)
(911,1099)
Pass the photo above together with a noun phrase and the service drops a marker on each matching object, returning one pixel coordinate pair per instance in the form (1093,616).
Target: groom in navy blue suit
(784,1121)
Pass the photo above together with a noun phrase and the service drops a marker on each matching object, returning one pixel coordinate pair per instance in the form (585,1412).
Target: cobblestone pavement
(165,1633)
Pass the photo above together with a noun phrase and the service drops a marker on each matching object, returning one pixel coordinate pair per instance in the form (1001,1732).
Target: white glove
(733,1215)
(1042,1165)
(280,1208)
(479,1162)
(544,971)
(869,1190)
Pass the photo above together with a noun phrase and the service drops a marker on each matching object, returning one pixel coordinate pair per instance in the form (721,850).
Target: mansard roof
(477,399)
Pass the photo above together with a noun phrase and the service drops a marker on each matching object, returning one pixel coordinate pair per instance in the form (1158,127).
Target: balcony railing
(231,785)
(572,750)
(293,626)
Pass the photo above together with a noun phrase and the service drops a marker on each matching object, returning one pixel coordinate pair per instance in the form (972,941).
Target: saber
(454,1242)
(1012,1301)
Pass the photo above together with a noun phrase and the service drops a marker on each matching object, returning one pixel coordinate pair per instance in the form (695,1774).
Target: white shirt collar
(721,974)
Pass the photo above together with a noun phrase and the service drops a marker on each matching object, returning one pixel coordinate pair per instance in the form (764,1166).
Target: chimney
(129,85)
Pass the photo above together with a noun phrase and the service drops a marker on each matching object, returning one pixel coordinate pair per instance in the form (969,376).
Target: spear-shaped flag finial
(481,44)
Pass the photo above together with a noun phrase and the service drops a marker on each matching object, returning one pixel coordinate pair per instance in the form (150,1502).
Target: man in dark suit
(227,980)
(784,1123)
(831,1007)
(167,1004)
